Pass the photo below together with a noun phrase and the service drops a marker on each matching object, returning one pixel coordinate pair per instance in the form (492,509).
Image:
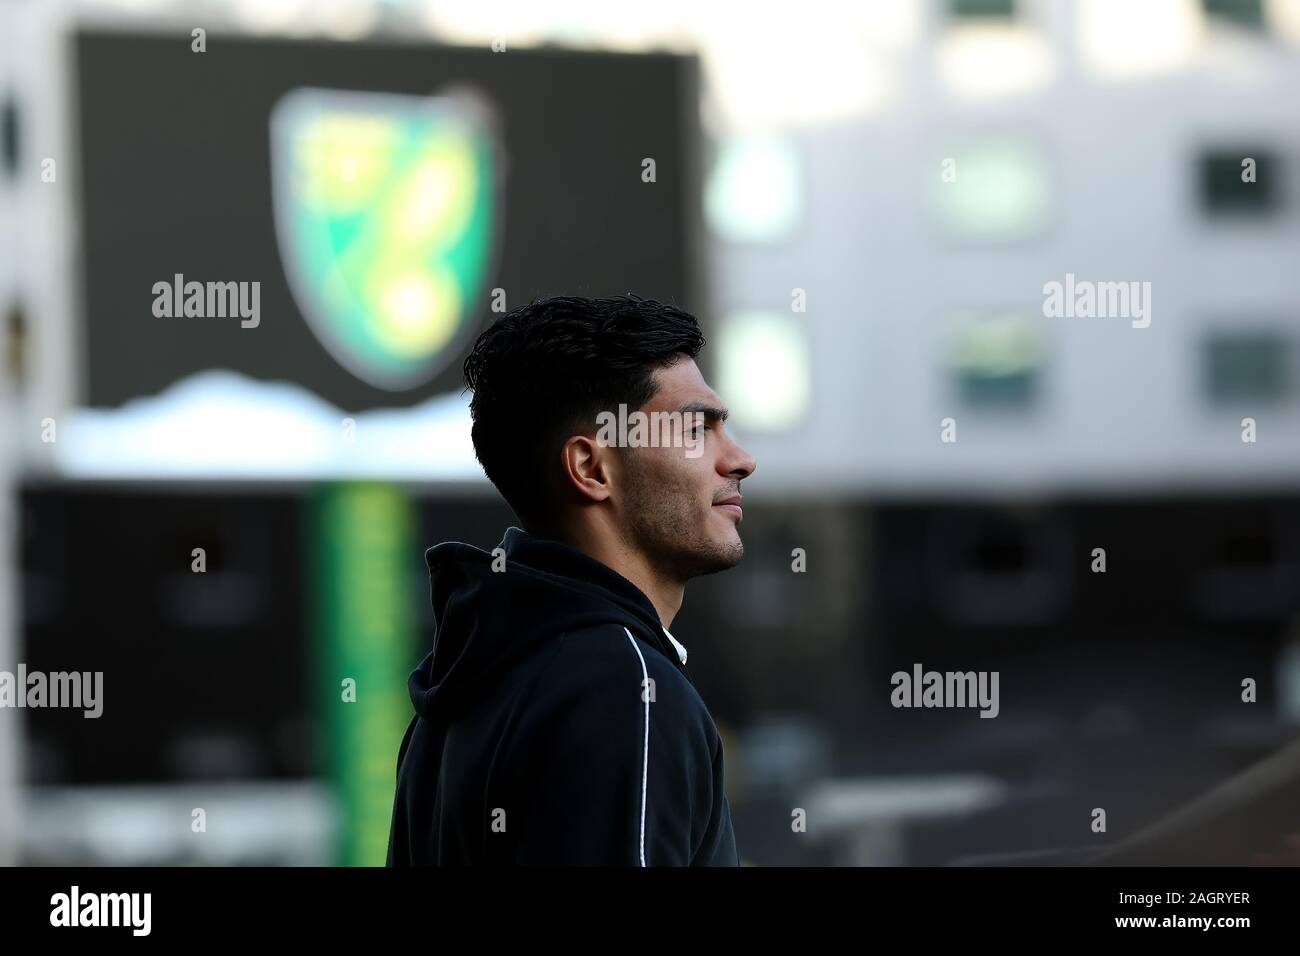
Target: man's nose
(741,463)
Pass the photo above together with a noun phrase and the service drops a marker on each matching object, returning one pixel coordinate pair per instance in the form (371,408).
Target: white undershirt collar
(681,651)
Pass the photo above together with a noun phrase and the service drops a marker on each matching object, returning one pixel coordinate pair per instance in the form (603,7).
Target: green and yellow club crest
(386,209)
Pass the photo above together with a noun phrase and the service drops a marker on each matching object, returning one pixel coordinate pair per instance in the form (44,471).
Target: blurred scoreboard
(346,216)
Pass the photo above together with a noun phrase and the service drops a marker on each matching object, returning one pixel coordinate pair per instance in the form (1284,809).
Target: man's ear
(588,467)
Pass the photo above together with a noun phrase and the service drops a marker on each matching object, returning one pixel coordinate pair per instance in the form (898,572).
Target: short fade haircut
(544,371)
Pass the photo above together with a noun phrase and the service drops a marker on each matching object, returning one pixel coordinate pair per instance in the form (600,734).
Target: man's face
(671,497)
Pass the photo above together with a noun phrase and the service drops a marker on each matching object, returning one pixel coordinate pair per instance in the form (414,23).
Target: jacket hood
(487,620)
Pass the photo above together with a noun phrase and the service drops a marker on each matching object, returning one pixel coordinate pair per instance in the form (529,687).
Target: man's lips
(730,504)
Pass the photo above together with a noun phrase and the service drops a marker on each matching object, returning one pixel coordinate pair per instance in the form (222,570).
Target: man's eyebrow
(709,411)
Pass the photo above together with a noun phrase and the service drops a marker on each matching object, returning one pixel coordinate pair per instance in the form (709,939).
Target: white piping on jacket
(645,747)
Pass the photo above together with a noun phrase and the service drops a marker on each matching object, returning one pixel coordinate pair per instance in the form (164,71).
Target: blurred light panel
(818,63)
(755,190)
(220,424)
(1121,39)
(1283,18)
(796,74)
(578,22)
(984,60)
(1001,191)
(764,370)
(137,6)
(270,16)
(893,25)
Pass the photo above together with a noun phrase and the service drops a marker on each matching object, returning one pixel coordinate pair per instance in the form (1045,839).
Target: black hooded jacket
(554,723)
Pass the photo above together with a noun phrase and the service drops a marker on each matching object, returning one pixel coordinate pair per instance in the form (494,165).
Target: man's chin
(721,556)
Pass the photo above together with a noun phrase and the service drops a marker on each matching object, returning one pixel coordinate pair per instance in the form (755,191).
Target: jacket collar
(556,557)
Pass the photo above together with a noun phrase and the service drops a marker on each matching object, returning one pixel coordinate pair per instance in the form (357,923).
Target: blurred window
(1240,13)
(1239,182)
(982,9)
(996,363)
(1251,366)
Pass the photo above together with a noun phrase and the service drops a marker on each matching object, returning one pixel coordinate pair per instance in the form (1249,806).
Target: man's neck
(665,595)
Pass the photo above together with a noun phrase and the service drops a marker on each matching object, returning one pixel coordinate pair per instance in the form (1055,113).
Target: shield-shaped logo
(386,212)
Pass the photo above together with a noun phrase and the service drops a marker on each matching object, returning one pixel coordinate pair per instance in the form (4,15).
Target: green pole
(363,637)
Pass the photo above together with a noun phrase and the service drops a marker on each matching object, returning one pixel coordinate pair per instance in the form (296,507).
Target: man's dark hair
(544,371)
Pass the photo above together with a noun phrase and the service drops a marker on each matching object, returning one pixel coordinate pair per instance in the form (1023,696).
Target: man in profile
(554,722)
